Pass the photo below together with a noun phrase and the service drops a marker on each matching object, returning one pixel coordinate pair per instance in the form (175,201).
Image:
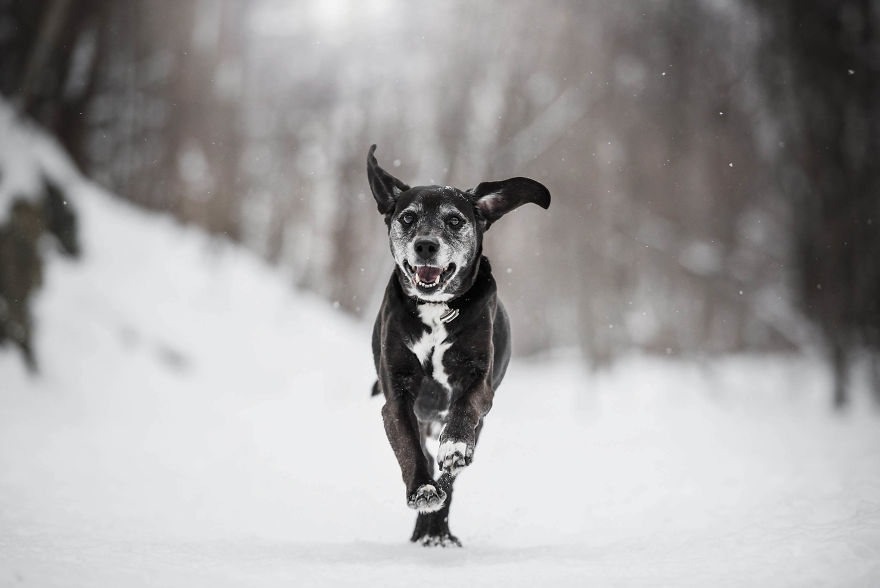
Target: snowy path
(196,424)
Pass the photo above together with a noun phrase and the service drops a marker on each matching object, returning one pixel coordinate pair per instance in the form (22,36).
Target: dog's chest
(432,345)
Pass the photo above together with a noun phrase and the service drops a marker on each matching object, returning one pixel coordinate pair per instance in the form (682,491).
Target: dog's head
(436,232)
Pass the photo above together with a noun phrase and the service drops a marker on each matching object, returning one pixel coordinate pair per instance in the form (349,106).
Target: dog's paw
(440,540)
(427,498)
(453,456)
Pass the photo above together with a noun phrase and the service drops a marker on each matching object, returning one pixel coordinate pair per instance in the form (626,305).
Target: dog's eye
(408,218)
(454,221)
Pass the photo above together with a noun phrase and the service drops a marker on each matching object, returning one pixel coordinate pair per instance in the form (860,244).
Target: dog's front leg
(459,436)
(401,426)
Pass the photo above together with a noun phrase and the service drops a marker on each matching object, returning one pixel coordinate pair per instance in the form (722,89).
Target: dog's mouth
(428,277)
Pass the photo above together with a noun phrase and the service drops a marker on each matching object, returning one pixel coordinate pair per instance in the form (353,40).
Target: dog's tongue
(428,273)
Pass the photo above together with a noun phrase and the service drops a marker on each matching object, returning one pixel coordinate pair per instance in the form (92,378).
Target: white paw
(453,456)
(427,498)
(443,540)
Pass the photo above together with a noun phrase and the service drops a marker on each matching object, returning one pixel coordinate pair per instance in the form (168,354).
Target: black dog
(441,342)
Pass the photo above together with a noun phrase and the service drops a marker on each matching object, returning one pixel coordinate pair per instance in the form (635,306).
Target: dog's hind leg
(425,430)
(432,528)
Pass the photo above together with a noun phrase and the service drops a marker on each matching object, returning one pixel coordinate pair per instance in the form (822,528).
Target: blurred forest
(713,163)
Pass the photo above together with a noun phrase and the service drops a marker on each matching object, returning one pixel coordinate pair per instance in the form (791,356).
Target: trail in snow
(197,423)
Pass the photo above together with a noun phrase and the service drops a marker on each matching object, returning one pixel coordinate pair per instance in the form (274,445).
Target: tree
(822,72)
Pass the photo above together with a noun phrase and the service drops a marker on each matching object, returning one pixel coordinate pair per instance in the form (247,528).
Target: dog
(441,340)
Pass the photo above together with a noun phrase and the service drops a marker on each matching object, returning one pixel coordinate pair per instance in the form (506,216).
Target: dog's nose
(426,248)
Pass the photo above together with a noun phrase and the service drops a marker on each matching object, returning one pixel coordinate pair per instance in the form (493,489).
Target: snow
(26,157)
(199,423)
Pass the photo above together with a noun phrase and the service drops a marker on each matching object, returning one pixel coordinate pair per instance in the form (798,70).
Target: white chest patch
(432,345)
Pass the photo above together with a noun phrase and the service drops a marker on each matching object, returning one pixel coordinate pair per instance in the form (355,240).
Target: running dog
(441,342)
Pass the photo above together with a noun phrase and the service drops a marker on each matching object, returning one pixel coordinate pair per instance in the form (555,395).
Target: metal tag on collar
(449,316)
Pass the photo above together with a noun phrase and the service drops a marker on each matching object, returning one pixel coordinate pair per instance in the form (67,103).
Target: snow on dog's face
(436,232)
(434,241)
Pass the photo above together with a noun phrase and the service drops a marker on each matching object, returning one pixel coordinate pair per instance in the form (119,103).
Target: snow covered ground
(198,423)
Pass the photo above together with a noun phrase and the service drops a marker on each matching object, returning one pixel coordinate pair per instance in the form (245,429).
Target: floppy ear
(386,188)
(493,200)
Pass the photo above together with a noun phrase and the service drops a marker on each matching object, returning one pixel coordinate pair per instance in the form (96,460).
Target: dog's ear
(386,188)
(492,200)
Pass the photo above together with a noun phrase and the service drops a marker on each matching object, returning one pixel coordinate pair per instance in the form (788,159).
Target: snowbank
(27,156)
(197,422)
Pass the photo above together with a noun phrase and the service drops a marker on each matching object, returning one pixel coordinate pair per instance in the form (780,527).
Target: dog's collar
(446,313)
(450,315)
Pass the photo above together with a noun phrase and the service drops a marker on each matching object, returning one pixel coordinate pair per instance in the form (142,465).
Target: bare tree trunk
(50,31)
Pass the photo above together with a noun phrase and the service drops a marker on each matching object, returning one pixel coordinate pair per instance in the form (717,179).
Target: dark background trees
(823,79)
(711,163)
